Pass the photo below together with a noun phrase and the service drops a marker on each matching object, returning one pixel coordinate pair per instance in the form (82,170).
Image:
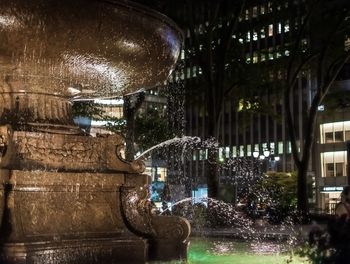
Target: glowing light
(9,21)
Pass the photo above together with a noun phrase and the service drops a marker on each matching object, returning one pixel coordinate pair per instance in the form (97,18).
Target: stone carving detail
(136,208)
(33,150)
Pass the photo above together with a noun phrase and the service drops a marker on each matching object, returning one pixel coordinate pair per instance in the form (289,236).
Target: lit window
(221,154)
(289,150)
(278,54)
(271,53)
(333,163)
(227,152)
(255,57)
(255,36)
(270,30)
(269,7)
(286,26)
(262,10)
(248,36)
(255,11)
(262,33)
(248,59)
(182,54)
(280,147)
(286,52)
(279,28)
(249,150)
(246,14)
(234,152)
(194,155)
(241,151)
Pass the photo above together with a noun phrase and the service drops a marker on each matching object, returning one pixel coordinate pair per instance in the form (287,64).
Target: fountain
(67,197)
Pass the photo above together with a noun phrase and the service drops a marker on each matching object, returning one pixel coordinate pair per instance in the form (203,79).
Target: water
(228,251)
(211,250)
(184,141)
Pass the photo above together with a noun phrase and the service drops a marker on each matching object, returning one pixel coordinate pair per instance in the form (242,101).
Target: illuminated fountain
(67,197)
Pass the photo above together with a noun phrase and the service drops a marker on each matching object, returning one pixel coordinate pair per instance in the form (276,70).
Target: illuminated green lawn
(224,251)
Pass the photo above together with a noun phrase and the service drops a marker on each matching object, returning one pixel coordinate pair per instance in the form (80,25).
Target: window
(269,7)
(289,150)
(255,57)
(271,53)
(246,14)
(329,169)
(279,28)
(241,151)
(227,152)
(328,137)
(286,26)
(249,150)
(255,11)
(335,169)
(203,154)
(262,10)
(338,136)
(255,35)
(248,36)
(270,30)
(234,152)
(339,169)
(221,154)
(248,59)
(333,163)
(194,155)
(347,135)
(262,33)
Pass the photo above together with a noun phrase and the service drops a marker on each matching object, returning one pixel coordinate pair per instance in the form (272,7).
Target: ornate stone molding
(136,208)
(33,150)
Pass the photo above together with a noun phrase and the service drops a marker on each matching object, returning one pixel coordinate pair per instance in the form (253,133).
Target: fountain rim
(144,10)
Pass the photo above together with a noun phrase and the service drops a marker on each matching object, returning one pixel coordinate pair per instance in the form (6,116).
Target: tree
(132,104)
(143,129)
(325,22)
(217,53)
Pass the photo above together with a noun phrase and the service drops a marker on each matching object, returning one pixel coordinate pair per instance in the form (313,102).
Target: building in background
(265,32)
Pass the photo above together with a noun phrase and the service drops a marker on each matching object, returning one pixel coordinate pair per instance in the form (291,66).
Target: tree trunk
(302,204)
(213,174)
(132,104)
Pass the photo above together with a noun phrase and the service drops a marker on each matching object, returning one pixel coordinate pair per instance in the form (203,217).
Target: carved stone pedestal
(72,199)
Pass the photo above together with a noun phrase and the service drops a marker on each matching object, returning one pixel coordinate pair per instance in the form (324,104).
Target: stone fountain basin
(85,48)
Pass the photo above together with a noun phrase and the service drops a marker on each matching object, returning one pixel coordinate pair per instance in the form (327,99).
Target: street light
(266,153)
(256,154)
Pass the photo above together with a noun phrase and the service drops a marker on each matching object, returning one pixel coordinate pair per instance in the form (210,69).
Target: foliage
(151,128)
(88,109)
(317,48)
(330,246)
(276,193)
